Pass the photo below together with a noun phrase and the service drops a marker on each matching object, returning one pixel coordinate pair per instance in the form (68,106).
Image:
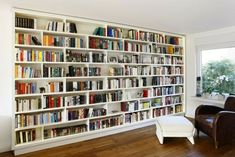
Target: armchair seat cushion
(206,120)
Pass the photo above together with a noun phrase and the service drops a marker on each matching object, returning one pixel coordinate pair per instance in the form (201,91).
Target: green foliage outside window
(219,77)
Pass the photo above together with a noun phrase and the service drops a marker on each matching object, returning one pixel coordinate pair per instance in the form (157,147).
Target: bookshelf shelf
(74,74)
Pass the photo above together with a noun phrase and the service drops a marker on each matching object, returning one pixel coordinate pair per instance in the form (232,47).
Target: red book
(91,99)
(21,55)
(58,103)
(50,102)
(20,39)
(145,93)
(137,35)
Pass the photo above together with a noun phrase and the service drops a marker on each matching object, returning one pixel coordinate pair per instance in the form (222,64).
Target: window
(218,70)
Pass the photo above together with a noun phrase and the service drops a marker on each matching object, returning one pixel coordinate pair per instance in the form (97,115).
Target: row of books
(167,70)
(123,58)
(158,80)
(75,42)
(162,111)
(172,100)
(98,57)
(174,80)
(177,60)
(116,71)
(97,43)
(27,104)
(156,102)
(64,131)
(27,72)
(133,34)
(54,87)
(71,27)
(100,31)
(145,59)
(52,102)
(105,123)
(159,91)
(179,89)
(136,116)
(25,22)
(53,71)
(129,106)
(158,59)
(167,49)
(77,71)
(126,83)
(162,70)
(137,47)
(24,39)
(94,71)
(179,51)
(25,88)
(173,40)
(105,97)
(55,26)
(152,37)
(50,40)
(31,87)
(137,70)
(26,136)
(178,108)
(76,56)
(84,85)
(25,120)
(75,100)
(83,71)
(32,55)
(114,32)
(167,59)
(83,113)
(146,93)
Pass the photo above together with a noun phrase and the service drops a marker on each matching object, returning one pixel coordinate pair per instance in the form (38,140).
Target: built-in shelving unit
(76,77)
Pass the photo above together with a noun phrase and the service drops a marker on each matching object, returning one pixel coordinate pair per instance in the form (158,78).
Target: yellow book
(40,55)
(33,53)
(16,71)
(170,49)
(17,38)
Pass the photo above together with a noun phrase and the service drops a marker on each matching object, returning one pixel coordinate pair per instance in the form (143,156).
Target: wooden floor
(137,143)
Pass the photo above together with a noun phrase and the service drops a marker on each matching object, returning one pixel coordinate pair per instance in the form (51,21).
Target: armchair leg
(216,144)
(198,133)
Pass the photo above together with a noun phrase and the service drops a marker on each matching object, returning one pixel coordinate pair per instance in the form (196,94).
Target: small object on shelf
(198,90)
(42,89)
(36,41)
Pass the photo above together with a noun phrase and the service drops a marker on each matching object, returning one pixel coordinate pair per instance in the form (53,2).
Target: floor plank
(138,143)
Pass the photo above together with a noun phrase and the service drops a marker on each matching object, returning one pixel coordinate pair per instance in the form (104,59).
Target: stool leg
(191,139)
(159,134)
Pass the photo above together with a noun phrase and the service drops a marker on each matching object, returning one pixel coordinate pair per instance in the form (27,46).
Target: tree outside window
(218,71)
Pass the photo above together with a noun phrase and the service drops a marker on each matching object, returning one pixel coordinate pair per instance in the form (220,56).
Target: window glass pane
(218,70)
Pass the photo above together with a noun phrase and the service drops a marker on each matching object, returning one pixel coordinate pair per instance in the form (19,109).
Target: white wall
(212,39)
(6,74)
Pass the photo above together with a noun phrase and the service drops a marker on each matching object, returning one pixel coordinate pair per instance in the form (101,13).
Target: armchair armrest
(207,109)
(223,126)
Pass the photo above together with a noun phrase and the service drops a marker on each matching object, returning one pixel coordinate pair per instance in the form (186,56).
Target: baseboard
(82,137)
(5,149)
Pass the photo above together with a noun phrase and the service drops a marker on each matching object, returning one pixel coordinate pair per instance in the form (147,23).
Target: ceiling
(181,16)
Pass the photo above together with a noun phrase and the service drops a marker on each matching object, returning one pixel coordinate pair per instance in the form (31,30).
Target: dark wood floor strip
(136,143)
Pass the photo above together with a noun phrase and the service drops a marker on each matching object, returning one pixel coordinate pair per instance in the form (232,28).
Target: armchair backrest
(230,104)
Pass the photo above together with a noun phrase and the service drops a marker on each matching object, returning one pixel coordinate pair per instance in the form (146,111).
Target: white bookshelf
(84,92)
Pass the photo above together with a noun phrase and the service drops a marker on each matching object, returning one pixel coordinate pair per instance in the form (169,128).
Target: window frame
(201,48)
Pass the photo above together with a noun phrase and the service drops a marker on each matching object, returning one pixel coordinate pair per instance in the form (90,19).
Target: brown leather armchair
(216,122)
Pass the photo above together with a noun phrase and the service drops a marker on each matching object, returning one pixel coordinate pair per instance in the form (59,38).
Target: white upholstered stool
(174,126)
